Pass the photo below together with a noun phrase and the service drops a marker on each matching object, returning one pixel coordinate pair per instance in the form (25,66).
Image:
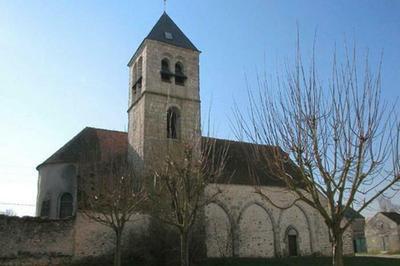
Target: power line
(17,204)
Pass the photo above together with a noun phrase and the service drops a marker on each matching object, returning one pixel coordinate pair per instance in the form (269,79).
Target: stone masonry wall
(35,241)
(93,239)
(241,223)
(382,234)
(148,112)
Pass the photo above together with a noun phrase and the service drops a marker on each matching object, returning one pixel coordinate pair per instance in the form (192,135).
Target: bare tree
(178,194)
(343,138)
(9,212)
(109,196)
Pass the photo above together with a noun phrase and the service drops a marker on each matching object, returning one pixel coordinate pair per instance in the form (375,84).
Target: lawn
(303,261)
(298,261)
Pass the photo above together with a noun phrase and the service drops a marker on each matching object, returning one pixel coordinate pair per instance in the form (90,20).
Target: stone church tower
(164,94)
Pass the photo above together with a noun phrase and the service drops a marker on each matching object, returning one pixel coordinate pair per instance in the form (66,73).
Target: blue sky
(63,63)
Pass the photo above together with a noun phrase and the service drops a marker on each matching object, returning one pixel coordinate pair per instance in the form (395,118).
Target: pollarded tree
(178,192)
(110,195)
(343,138)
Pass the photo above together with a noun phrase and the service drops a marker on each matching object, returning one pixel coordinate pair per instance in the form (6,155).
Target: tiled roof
(394,216)
(242,169)
(103,143)
(90,142)
(351,213)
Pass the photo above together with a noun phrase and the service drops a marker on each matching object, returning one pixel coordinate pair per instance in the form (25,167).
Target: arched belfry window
(173,123)
(179,74)
(66,203)
(292,239)
(165,71)
(137,78)
(134,79)
(139,74)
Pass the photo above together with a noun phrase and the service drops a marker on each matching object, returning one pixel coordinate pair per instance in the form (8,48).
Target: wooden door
(292,245)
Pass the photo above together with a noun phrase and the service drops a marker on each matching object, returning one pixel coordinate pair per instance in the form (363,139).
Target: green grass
(303,261)
(299,261)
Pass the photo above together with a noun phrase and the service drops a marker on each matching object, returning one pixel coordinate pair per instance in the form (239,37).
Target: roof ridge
(105,129)
(394,216)
(241,142)
(63,146)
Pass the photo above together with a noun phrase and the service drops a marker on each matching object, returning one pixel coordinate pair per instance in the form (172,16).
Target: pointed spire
(167,31)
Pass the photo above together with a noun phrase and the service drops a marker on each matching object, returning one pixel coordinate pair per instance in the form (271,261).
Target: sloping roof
(394,216)
(351,213)
(158,33)
(239,169)
(166,25)
(242,169)
(90,142)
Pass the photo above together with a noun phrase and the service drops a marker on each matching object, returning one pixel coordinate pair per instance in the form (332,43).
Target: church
(163,111)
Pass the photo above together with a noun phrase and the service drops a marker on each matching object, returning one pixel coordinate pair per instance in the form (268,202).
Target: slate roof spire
(167,31)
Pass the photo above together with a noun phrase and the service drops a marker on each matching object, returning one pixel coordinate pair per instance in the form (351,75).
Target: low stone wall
(35,241)
(93,239)
(38,241)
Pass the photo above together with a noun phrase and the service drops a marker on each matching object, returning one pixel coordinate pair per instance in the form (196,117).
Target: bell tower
(164,95)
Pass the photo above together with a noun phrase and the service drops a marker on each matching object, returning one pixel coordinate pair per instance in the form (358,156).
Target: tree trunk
(184,249)
(117,253)
(337,249)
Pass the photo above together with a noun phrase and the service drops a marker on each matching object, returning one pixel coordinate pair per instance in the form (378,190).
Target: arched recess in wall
(295,217)
(173,122)
(139,75)
(256,232)
(219,235)
(134,74)
(66,205)
(292,241)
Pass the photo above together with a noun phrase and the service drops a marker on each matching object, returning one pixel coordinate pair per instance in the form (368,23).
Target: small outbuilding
(358,230)
(383,232)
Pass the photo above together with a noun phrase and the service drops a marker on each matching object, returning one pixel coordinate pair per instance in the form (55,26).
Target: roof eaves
(64,147)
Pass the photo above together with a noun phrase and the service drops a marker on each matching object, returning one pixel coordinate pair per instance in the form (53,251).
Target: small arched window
(173,123)
(139,74)
(179,75)
(134,73)
(140,67)
(45,209)
(66,205)
(134,79)
(165,72)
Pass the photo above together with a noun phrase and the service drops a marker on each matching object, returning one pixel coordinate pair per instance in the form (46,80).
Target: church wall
(255,232)
(219,231)
(295,218)
(135,134)
(259,228)
(35,241)
(53,181)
